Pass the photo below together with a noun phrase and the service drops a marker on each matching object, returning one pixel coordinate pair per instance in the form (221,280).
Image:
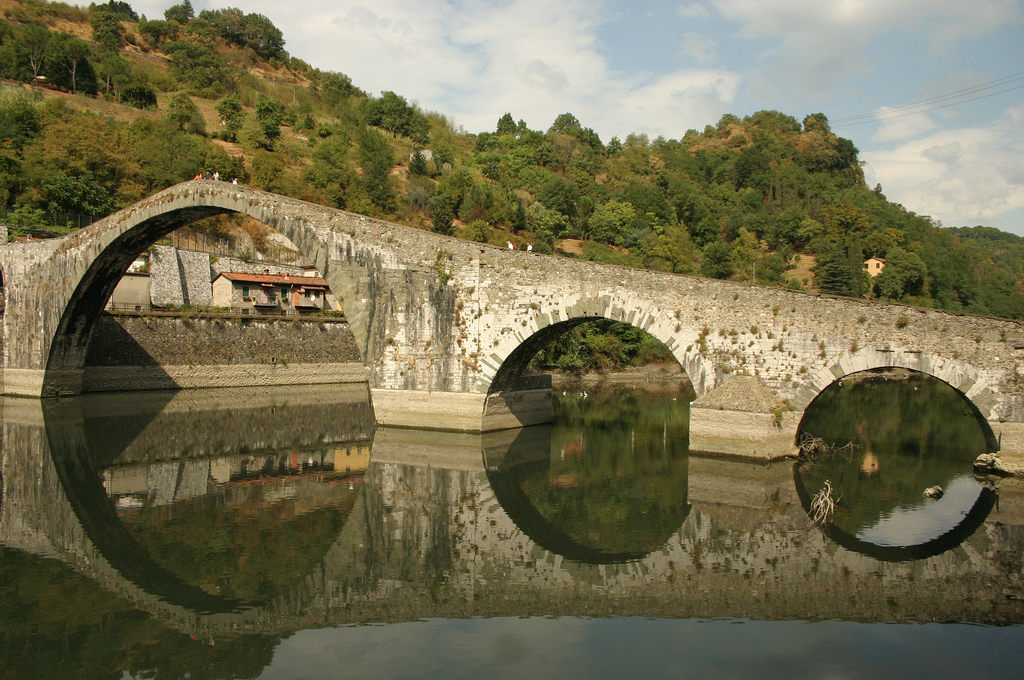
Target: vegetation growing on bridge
(768,198)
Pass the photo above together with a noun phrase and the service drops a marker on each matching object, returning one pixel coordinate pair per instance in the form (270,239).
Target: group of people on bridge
(213,175)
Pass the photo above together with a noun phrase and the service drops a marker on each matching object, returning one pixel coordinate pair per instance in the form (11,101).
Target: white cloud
(700,48)
(671,104)
(961,177)
(895,125)
(816,44)
(693,10)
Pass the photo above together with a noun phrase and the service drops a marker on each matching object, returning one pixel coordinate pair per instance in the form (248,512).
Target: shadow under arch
(512,385)
(513,368)
(898,553)
(992,442)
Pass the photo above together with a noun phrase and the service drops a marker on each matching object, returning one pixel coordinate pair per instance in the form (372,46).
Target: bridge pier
(461,411)
(36,383)
(743,434)
(743,418)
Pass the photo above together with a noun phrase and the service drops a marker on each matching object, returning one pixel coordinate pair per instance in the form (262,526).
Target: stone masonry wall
(180,277)
(148,340)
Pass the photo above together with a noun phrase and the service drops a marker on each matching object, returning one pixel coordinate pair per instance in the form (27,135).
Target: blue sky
(930,91)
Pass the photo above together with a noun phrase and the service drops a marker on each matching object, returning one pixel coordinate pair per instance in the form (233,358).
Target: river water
(278,534)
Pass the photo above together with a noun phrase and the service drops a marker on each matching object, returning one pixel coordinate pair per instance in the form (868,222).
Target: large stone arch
(114,242)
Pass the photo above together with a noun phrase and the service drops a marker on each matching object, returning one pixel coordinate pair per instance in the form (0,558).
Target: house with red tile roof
(271,293)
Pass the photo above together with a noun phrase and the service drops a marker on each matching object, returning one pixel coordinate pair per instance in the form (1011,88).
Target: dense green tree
(269,116)
(20,120)
(377,159)
(68,65)
(158,31)
(648,198)
(392,112)
(115,71)
(139,95)
(330,172)
(263,37)
(162,154)
(232,116)
(859,279)
(196,64)
(70,197)
(267,169)
(557,193)
(717,262)
(36,41)
(610,220)
(418,163)
(332,88)
(106,30)
(183,112)
(442,210)
(506,126)
(745,251)
(905,274)
(479,203)
(122,10)
(24,219)
(517,216)
(833,273)
(181,13)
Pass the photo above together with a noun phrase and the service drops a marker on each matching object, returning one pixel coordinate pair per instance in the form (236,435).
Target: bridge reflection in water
(220,515)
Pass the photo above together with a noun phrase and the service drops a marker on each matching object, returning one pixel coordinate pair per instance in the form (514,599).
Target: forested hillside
(102,107)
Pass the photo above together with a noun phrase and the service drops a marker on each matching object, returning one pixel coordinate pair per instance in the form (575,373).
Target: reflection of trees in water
(616,478)
(55,623)
(909,434)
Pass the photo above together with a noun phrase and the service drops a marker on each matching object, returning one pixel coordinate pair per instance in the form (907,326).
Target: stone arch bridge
(445,327)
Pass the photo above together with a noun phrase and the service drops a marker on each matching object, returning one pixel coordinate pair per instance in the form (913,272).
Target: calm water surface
(280,535)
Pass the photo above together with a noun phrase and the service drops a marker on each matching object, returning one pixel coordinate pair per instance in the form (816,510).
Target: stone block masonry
(180,277)
(163,351)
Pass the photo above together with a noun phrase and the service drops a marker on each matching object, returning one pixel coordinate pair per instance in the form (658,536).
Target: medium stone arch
(964,379)
(539,327)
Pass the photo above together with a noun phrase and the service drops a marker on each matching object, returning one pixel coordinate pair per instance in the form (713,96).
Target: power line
(962,96)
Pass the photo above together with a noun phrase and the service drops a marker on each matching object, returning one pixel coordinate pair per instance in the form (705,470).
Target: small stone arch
(966,380)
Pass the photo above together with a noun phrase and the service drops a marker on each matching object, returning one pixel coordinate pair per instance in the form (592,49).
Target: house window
(245,291)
